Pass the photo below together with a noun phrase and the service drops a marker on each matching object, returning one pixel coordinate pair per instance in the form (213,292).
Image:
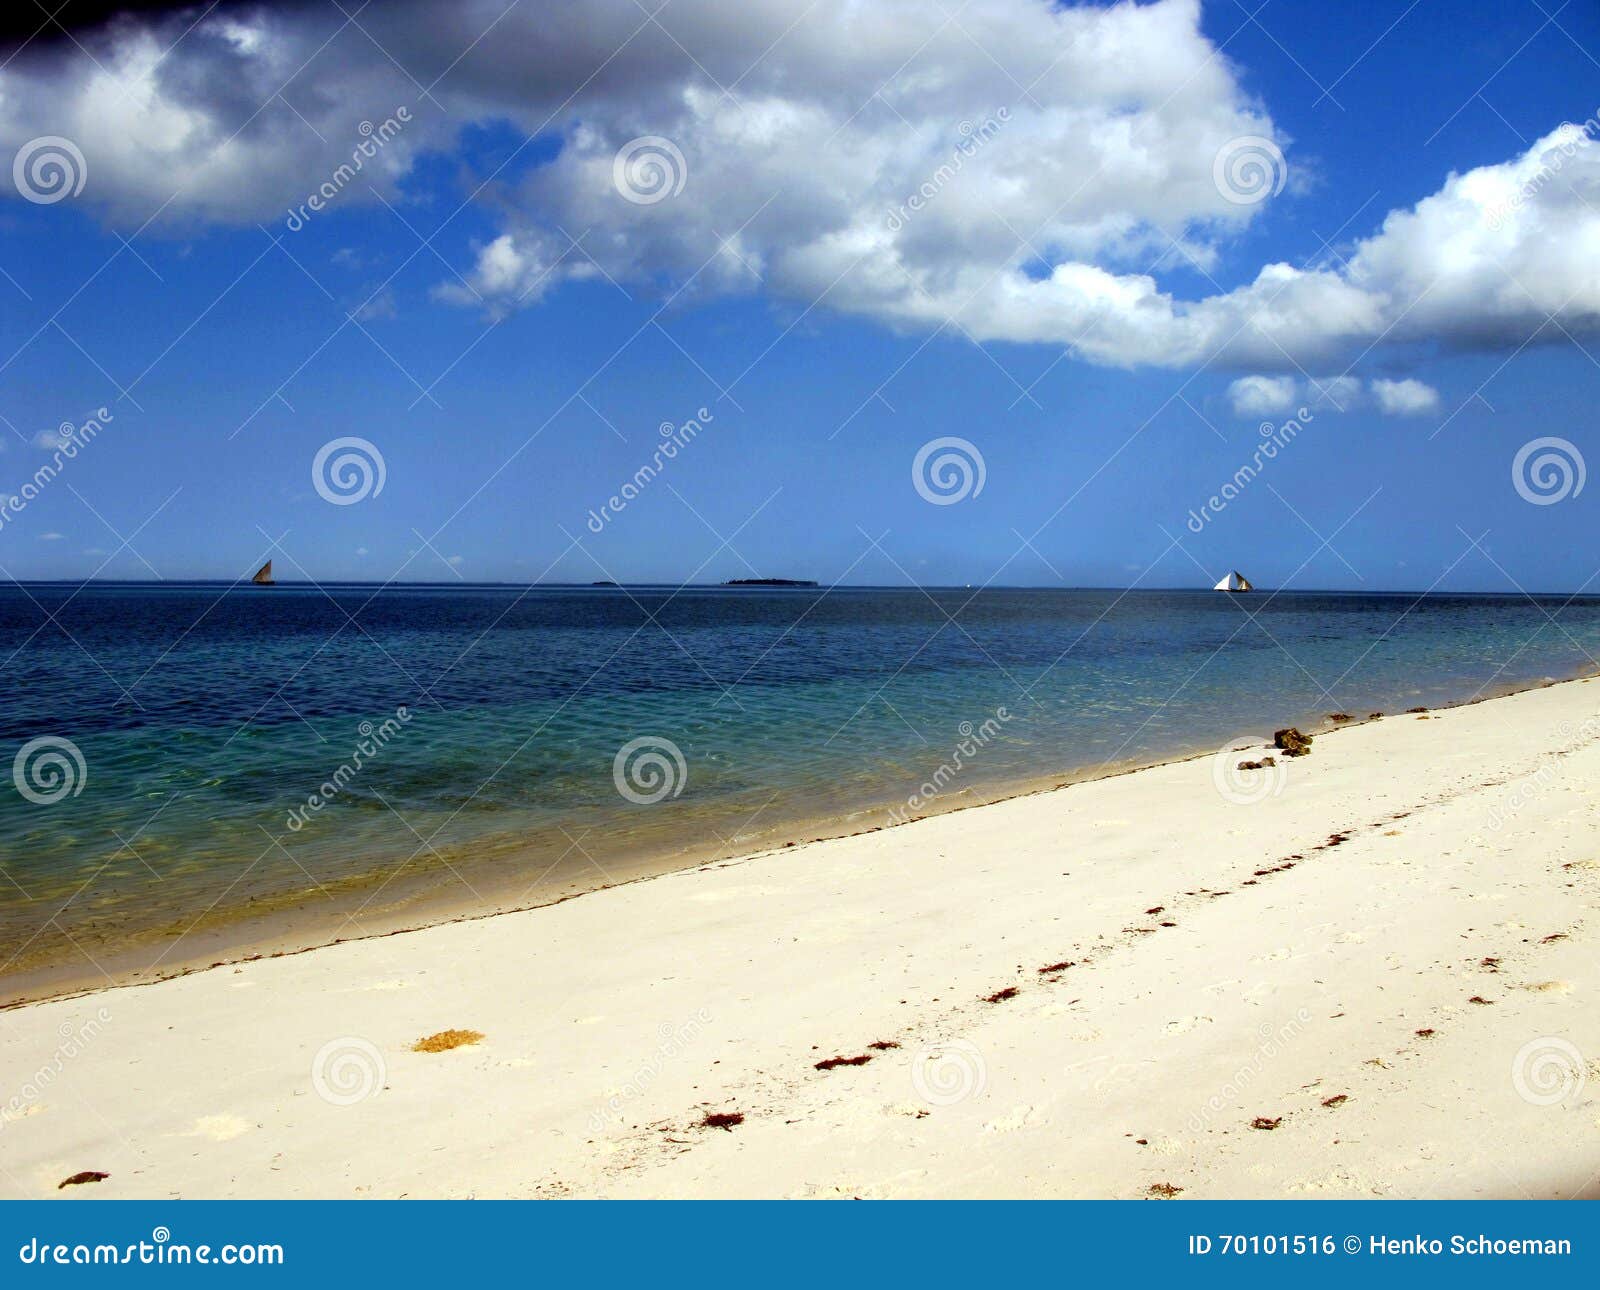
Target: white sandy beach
(1435,970)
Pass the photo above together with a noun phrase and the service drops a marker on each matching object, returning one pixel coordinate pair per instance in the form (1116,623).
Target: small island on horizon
(769,582)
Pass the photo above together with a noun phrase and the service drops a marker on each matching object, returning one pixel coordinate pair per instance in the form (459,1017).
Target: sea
(199,769)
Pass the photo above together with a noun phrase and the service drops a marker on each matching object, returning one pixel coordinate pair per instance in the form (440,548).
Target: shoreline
(428,899)
(1128,987)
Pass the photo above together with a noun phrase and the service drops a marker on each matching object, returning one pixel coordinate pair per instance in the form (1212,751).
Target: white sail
(1235,581)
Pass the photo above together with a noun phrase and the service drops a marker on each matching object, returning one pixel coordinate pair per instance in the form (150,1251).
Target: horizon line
(794,585)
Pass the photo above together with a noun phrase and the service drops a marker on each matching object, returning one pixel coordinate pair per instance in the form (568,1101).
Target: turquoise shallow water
(200,721)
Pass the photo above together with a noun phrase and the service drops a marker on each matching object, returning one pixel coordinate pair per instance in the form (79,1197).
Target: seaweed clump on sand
(1291,742)
(445,1040)
(87,1176)
(827,1065)
(728,1120)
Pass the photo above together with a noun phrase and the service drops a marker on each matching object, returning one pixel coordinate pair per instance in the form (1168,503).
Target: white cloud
(1407,398)
(808,133)
(380,305)
(1270,395)
(1255,396)
(51,537)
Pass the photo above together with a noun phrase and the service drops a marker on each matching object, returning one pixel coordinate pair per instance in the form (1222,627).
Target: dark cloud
(44,25)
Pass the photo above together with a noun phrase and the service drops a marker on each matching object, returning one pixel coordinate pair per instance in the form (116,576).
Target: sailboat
(1235,581)
(263,576)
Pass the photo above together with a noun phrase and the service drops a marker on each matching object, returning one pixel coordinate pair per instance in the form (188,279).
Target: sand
(1252,1008)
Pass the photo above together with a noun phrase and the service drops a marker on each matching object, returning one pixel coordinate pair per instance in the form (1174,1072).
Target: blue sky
(221,340)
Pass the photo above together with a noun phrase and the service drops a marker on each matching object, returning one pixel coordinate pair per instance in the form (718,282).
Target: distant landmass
(768,582)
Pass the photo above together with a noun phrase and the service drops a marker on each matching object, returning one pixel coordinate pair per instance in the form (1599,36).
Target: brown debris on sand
(87,1176)
(1480,1001)
(1000,996)
(1262,1122)
(721,1120)
(1050,969)
(1338,1099)
(1414,712)
(1258,765)
(1162,1191)
(883,1045)
(1373,716)
(1291,742)
(1340,716)
(861,1059)
(443,1041)
(1427,1032)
